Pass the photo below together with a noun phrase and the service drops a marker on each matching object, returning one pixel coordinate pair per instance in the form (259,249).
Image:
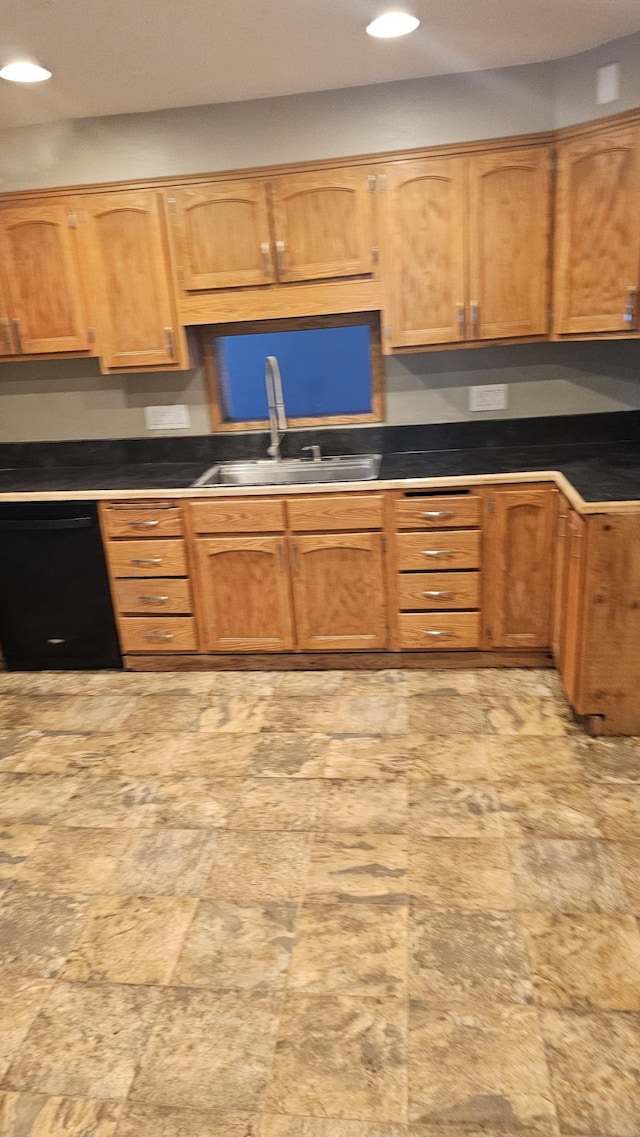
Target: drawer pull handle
(147,561)
(438,513)
(438,552)
(438,633)
(439,592)
(159,636)
(153,599)
(144,524)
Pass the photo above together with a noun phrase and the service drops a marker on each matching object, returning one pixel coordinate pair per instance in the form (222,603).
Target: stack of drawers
(438,560)
(147,562)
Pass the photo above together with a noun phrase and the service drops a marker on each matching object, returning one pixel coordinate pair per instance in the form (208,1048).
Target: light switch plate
(492,397)
(608,83)
(173,417)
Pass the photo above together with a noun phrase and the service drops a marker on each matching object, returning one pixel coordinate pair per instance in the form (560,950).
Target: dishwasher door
(55,604)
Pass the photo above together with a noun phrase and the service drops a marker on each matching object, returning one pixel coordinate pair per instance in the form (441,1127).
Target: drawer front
(438,512)
(439,631)
(242,515)
(163,634)
(438,590)
(148,558)
(449,549)
(147,521)
(163,596)
(335,512)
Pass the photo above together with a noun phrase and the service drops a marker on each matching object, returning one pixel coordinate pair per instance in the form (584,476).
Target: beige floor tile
(372,806)
(149,713)
(112,803)
(618,809)
(566,876)
(391,682)
(130,939)
(459,959)
(349,949)
(17,846)
(521,714)
(530,681)
(532,809)
(270,803)
(450,809)
(291,755)
(76,713)
(237,946)
(37,932)
(341,1057)
(235,714)
(142,1120)
(279,1125)
(307,683)
(12,744)
(367,758)
(211,756)
(20,1002)
(34,799)
(453,758)
(249,867)
(626,858)
(610,759)
(209,1050)
(35,1115)
(594,1061)
(165,862)
(442,682)
(447,714)
(86,1042)
(363,868)
(479,1068)
(194,803)
(461,873)
(584,961)
(517,758)
(104,754)
(338,714)
(74,860)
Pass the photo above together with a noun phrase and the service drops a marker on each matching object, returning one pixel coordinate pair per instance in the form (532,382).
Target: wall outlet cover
(492,397)
(608,83)
(173,417)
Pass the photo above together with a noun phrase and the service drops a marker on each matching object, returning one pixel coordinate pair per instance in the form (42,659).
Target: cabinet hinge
(375,254)
(371,182)
(491,507)
(382,183)
(387,331)
(171,202)
(91,335)
(72,220)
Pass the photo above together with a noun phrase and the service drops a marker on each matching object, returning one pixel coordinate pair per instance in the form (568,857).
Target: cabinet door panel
(509,207)
(570,671)
(130,274)
(323,224)
(598,233)
(424,251)
(518,558)
(224,238)
(7,345)
(339,592)
(560,565)
(243,589)
(43,280)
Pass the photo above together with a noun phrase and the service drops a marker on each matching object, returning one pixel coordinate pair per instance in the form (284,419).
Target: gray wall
(575,81)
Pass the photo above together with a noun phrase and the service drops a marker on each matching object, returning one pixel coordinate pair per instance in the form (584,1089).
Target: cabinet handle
(6,335)
(153,599)
(474,313)
(168,341)
(434,633)
(461,320)
(433,592)
(438,513)
(280,257)
(147,561)
(437,552)
(266,258)
(144,524)
(629,314)
(159,636)
(16,329)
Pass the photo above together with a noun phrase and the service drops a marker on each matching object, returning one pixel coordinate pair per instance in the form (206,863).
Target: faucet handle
(315,452)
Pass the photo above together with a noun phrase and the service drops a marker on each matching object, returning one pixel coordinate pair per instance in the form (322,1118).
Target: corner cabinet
(126,259)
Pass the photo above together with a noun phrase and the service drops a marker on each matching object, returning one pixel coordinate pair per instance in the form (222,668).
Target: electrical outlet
(492,397)
(173,417)
(608,83)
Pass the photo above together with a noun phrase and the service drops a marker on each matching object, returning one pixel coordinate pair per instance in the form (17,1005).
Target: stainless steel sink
(292,471)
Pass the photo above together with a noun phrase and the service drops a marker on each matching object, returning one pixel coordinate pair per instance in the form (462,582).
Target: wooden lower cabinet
(243,594)
(569,658)
(518,562)
(339,591)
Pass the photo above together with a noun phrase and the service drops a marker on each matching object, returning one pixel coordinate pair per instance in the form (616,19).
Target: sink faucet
(275,399)
(315,452)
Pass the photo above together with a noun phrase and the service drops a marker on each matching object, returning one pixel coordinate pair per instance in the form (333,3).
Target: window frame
(210,334)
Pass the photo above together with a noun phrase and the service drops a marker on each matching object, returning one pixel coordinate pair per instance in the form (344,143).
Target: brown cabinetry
(339,591)
(243,586)
(573,602)
(518,567)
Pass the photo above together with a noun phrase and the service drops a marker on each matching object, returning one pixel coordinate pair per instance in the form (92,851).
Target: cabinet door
(39,258)
(7,344)
(559,598)
(509,205)
(424,251)
(323,224)
(126,247)
(243,590)
(598,233)
(339,591)
(223,235)
(518,564)
(573,606)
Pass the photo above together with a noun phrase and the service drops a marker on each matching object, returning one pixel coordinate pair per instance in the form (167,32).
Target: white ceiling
(140,55)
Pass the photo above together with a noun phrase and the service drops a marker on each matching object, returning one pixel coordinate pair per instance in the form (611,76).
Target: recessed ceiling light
(393,24)
(24,71)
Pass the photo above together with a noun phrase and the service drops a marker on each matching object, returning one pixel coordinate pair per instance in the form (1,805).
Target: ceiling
(141,55)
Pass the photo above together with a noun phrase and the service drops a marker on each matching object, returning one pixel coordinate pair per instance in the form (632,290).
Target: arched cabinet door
(223,237)
(597,244)
(43,311)
(517,567)
(243,594)
(339,591)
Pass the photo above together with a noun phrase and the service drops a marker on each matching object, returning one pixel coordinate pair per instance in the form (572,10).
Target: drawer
(335,512)
(462,512)
(448,549)
(434,590)
(157,634)
(162,596)
(153,520)
(148,558)
(242,515)
(439,631)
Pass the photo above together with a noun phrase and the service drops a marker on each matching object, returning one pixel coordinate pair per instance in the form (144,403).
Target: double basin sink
(292,471)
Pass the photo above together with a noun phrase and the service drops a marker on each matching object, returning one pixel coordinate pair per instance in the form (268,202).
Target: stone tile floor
(392,904)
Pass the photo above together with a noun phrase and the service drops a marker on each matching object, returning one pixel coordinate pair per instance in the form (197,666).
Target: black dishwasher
(55,605)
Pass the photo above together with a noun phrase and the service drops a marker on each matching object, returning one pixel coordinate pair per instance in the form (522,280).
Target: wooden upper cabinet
(424,251)
(125,246)
(323,224)
(243,591)
(339,591)
(509,223)
(7,342)
(597,256)
(518,562)
(44,299)
(223,235)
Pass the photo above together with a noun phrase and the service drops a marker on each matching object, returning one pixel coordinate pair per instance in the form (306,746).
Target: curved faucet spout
(275,399)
